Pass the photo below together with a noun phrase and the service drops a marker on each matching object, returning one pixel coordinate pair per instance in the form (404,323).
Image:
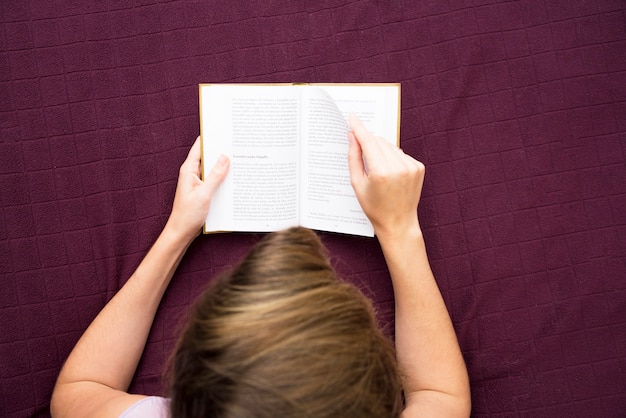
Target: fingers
(360,131)
(192,162)
(369,143)
(355,159)
(362,135)
(190,171)
(379,155)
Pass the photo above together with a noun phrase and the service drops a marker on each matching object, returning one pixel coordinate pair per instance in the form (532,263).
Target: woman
(252,348)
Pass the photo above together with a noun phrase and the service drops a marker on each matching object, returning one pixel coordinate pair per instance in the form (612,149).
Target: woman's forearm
(428,353)
(94,380)
(110,349)
(433,371)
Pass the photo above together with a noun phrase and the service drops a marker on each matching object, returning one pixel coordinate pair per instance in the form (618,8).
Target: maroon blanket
(517,108)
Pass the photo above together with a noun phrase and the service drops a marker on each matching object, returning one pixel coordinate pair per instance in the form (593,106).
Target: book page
(328,200)
(377,105)
(257,127)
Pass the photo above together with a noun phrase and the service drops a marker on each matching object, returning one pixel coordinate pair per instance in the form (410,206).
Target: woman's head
(280,336)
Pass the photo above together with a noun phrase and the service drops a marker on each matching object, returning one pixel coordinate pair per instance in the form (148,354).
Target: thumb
(218,172)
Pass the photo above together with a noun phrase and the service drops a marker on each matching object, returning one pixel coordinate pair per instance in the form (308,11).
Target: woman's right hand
(193,195)
(386,181)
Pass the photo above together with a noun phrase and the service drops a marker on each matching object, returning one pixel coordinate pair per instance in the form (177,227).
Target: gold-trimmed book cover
(262,125)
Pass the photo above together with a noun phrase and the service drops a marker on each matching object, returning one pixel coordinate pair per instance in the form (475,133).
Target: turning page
(328,201)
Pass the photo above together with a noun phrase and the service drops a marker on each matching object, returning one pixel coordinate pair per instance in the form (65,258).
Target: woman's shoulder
(151,406)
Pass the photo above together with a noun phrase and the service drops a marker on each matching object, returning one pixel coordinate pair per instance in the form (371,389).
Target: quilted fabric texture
(517,108)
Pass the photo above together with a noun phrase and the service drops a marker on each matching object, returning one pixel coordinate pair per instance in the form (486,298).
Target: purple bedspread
(517,108)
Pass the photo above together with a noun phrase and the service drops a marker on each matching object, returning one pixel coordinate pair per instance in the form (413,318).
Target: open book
(288,147)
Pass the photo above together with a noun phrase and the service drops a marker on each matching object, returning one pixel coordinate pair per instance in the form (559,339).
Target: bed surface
(517,108)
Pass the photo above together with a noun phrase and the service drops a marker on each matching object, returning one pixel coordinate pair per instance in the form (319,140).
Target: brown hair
(280,336)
